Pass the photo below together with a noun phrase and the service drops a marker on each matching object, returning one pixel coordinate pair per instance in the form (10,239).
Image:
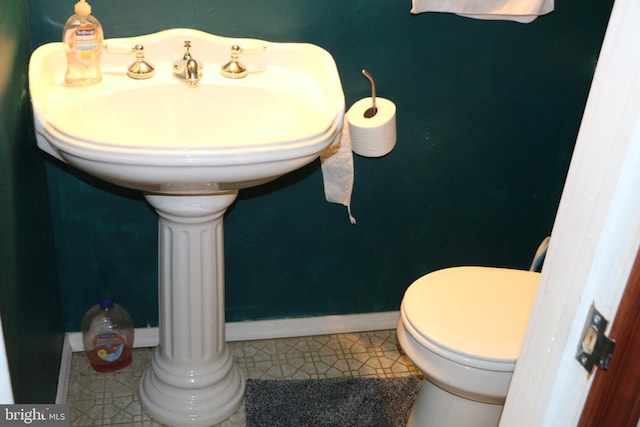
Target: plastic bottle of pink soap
(107,335)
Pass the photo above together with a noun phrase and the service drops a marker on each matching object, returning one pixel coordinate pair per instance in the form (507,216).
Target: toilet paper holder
(372,111)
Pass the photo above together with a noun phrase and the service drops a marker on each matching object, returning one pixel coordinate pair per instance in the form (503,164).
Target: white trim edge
(276,328)
(65,372)
(6,390)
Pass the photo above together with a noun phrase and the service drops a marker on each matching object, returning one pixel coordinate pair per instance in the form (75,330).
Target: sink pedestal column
(192,380)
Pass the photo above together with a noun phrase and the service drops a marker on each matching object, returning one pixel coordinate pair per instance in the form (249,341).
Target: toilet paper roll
(375,136)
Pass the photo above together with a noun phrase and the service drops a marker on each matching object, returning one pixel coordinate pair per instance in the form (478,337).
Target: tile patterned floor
(97,399)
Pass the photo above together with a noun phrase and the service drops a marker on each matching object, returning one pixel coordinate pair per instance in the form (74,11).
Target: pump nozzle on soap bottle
(82,8)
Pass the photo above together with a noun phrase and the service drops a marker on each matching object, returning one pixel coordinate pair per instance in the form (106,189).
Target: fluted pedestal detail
(192,380)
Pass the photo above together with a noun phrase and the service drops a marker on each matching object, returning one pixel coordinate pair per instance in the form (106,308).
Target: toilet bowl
(462,327)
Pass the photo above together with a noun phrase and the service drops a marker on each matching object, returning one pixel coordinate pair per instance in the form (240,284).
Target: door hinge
(595,348)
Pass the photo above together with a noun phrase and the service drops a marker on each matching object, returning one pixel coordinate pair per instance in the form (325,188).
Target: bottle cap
(106,302)
(82,8)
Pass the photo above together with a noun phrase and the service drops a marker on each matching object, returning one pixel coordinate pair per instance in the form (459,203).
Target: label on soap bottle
(108,346)
(84,43)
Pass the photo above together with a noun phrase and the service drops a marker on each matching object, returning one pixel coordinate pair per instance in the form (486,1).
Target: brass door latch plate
(595,348)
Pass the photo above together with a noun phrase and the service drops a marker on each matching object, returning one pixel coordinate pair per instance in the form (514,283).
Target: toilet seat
(476,316)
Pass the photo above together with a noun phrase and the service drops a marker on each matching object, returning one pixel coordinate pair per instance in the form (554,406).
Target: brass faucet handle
(234,69)
(140,69)
(235,51)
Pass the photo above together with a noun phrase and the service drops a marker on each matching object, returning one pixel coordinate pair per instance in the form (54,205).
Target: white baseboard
(278,328)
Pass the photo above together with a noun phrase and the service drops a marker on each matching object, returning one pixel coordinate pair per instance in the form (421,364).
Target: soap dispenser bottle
(82,37)
(107,335)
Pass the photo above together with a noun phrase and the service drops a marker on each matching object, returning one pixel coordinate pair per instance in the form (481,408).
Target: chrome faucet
(188,68)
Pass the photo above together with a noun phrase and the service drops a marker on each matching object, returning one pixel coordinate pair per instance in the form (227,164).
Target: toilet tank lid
(475,311)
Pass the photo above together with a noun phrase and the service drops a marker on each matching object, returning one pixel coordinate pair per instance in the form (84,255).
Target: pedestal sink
(190,150)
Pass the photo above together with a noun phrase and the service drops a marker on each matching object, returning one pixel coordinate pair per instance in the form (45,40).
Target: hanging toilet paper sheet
(523,11)
(369,137)
(337,171)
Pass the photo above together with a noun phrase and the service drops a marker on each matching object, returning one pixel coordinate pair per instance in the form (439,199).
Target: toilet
(462,327)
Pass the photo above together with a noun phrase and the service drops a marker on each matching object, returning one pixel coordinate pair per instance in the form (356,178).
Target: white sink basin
(159,135)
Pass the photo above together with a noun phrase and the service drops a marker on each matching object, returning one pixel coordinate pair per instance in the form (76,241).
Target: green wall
(29,295)
(487,116)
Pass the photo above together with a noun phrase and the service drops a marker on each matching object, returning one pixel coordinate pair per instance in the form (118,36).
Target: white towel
(523,11)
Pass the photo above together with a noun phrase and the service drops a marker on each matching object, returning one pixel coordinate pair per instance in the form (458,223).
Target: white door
(594,240)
